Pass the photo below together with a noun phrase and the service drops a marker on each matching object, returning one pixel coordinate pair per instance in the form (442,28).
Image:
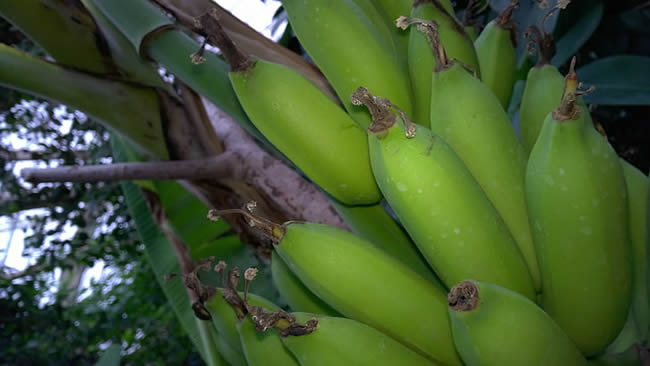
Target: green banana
(374,224)
(393,9)
(225,319)
(420,58)
(263,348)
(303,124)
(231,355)
(542,93)
(387,11)
(493,326)
(342,41)
(577,207)
(297,295)
(471,32)
(635,330)
(363,283)
(481,134)
(496,54)
(647,233)
(440,204)
(340,341)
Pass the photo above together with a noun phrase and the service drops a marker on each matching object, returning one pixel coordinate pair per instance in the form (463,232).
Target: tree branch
(299,198)
(218,167)
(20,155)
(31,270)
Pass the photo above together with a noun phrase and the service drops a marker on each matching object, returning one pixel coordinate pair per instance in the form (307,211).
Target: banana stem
(209,24)
(271,230)
(263,319)
(382,118)
(568,109)
(430,30)
(504,21)
(544,43)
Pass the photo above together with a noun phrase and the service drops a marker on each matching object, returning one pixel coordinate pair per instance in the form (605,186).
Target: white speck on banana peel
(402,187)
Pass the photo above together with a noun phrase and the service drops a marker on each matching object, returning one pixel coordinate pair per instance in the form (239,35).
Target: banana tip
(463,297)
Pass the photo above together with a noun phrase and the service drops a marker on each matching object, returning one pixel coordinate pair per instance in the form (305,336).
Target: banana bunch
(470,246)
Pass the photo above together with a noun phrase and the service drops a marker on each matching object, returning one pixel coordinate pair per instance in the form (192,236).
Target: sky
(255,13)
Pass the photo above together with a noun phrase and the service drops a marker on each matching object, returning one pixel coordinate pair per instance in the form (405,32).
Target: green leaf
(619,80)
(132,111)
(133,18)
(569,44)
(162,259)
(131,65)
(61,31)
(637,20)
(110,357)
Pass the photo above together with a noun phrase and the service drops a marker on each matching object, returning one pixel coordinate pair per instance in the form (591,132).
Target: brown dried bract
(463,297)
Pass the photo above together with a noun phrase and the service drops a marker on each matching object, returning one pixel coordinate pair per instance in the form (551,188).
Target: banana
(393,9)
(440,204)
(342,41)
(297,295)
(374,224)
(304,124)
(387,11)
(340,341)
(263,348)
(493,326)
(420,58)
(542,93)
(577,206)
(635,330)
(225,319)
(363,283)
(471,32)
(481,134)
(231,355)
(496,54)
